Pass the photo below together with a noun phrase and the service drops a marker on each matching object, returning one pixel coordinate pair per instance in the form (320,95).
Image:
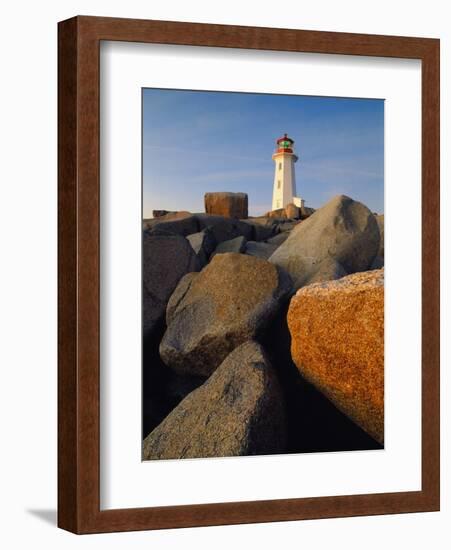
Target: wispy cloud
(229,175)
(202,153)
(329,169)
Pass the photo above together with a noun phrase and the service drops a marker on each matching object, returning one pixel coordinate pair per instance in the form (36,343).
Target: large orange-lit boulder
(337,343)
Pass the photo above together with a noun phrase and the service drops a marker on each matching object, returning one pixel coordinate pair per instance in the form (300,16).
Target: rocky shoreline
(262,335)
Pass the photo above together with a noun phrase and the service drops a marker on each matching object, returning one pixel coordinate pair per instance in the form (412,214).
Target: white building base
(297,201)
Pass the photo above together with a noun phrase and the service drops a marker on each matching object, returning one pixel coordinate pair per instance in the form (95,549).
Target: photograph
(201,347)
(262,274)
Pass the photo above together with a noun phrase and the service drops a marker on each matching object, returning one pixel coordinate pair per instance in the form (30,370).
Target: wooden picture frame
(78,266)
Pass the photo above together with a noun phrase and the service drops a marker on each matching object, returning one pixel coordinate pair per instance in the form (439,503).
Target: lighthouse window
(278,184)
(280,166)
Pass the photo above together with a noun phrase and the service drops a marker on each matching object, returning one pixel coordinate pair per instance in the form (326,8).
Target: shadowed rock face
(306,212)
(229,205)
(263,228)
(380,223)
(337,331)
(343,230)
(328,270)
(165,260)
(379,260)
(237,411)
(203,244)
(224,229)
(229,302)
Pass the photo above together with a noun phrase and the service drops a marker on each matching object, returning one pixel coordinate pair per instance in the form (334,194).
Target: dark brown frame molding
(78,272)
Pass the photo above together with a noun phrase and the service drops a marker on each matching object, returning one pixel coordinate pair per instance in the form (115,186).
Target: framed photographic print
(248,274)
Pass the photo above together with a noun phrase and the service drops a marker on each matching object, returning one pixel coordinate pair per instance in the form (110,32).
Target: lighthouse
(284,190)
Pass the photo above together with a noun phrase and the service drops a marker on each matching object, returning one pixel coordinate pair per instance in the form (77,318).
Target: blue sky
(195,142)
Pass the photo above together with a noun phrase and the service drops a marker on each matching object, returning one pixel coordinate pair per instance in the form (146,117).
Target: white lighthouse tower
(284,191)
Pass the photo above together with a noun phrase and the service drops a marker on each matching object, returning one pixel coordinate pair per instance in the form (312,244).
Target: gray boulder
(344,230)
(260,250)
(238,411)
(229,205)
(165,260)
(238,244)
(232,300)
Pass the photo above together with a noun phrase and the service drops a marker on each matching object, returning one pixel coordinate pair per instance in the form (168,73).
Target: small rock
(159,213)
(224,229)
(238,411)
(279,238)
(292,211)
(232,300)
(238,244)
(229,205)
(260,250)
(261,220)
(163,215)
(337,343)
(280,213)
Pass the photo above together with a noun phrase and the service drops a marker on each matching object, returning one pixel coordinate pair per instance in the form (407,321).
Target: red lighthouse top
(285,144)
